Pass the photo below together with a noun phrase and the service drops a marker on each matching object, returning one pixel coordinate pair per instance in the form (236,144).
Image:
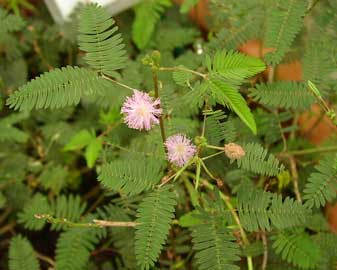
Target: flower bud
(234,151)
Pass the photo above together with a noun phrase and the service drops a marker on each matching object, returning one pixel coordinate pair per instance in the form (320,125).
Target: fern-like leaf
(285,21)
(260,210)
(69,208)
(227,95)
(218,130)
(73,249)
(297,248)
(257,160)
(22,255)
(234,66)
(97,37)
(155,214)
(9,22)
(317,62)
(322,184)
(147,15)
(286,94)
(57,89)
(37,205)
(214,245)
(131,176)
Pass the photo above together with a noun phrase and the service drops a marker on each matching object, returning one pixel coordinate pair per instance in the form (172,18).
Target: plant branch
(45,258)
(156,93)
(94,224)
(116,82)
(294,174)
(229,205)
(204,76)
(265,252)
(313,151)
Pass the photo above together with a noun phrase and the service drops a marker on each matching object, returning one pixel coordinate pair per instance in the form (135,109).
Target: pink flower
(179,149)
(141,111)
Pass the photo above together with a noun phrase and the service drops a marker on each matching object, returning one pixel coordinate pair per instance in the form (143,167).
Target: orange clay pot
(199,13)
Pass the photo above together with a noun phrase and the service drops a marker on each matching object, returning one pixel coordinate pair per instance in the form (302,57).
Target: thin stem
(45,258)
(7,227)
(312,6)
(156,93)
(116,82)
(229,205)
(207,171)
(106,223)
(214,147)
(204,76)
(294,174)
(94,224)
(313,151)
(213,155)
(265,252)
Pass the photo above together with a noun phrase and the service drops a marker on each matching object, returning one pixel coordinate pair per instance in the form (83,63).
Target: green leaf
(147,15)
(187,5)
(227,95)
(234,67)
(97,37)
(22,255)
(92,151)
(283,24)
(155,213)
(37,205)
(79,141)
(57,89)
(297,248)
(189,219)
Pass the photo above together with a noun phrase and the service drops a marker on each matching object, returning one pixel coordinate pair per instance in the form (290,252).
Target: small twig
(106,223)
(204,76)
(265,252)
(45,258)
(213,155)
(116,82)
(294,174)
(8,227)
(94,224)
(313,151)
(5,214)
(312,6)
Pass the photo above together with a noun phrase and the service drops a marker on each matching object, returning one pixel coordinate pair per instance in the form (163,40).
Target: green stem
(214,147)
(229,205)
(213,155)
(156,93)
(313,151)
(204,76)
(116,82)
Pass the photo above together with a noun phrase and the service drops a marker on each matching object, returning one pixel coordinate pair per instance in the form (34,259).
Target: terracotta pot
(199,13)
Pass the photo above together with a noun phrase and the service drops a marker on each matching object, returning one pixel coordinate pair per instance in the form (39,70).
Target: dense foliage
(219,176)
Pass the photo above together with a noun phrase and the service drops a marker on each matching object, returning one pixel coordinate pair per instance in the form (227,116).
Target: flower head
(179,149)
(234,151)
(141,111)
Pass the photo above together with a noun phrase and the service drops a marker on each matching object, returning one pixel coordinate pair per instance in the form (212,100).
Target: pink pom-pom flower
(141,111)
(179,149)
